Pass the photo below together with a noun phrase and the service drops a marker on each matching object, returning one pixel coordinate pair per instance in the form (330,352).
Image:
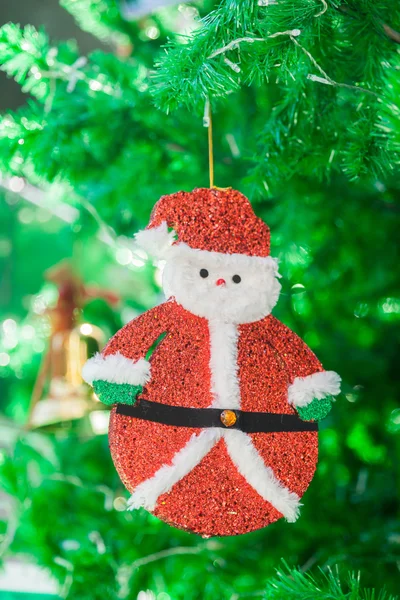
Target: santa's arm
(311,388)
(119,373)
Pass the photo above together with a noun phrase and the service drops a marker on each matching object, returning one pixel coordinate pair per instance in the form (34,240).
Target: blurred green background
(82,165)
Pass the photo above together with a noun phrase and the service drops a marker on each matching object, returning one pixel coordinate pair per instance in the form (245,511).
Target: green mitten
(111,393)
(316,410)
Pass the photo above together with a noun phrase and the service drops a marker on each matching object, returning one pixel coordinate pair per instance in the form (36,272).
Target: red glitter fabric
(180,373)
(213,499)
(214,220)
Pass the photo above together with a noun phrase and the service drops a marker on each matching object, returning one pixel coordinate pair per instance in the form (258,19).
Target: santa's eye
(203,273)
(236,279)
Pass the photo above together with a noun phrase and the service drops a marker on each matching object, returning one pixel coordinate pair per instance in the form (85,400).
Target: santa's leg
(147,493)
(261,477)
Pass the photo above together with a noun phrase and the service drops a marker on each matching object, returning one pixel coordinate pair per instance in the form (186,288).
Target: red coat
(213,498)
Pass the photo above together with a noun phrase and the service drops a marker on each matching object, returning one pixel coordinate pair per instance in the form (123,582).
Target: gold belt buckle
(228,418)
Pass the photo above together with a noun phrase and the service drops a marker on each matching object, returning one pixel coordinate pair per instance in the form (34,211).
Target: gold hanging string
(210,148)
(207,122)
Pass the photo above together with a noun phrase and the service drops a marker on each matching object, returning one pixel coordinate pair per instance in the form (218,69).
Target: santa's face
(232,288)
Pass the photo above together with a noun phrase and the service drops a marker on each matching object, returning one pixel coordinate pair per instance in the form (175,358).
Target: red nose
(220,282)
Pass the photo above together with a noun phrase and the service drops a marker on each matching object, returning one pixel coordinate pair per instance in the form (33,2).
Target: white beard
(250,300)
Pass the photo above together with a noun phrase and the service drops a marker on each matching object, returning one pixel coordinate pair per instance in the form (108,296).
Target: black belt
(180,416)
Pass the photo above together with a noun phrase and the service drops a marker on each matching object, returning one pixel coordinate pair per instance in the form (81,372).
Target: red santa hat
(214,220)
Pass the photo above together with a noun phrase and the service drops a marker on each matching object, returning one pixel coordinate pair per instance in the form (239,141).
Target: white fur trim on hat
(116,368)
(219,259)
(156,240)
(317,386)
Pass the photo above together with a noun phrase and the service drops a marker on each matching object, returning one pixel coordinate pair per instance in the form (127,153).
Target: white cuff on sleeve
(116,368)
(316,386)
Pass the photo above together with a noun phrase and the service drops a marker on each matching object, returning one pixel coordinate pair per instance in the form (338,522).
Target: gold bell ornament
(59,394)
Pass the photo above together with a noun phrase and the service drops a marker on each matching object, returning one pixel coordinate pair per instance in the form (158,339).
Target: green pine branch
(242,42)
(381,16)
(315,78)
(325,84)
(236,44)
(293,584)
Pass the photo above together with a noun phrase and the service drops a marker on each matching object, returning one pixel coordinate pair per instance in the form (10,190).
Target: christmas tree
(304,100)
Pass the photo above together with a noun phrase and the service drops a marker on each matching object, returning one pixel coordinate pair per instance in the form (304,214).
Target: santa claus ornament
(215,402)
